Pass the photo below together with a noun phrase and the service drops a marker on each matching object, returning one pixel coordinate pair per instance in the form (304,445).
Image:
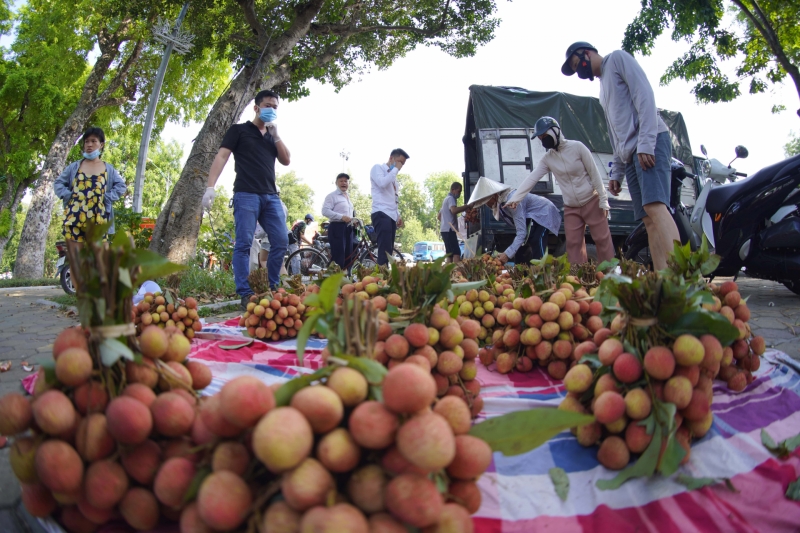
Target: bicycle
(312,261)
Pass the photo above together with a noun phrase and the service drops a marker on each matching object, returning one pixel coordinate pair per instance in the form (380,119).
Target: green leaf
(111,350)
(672,456)
(454,310)
(525,291)
(645,466)
(608,265)
(560,481)
(168,297)
(311,300)
(283,396)
(701,322)
(304,334)
(793,490)
(49,366)
(376,393)
(710,265)
(768,441)
(194,486)
(693,483)
(152,272)
(125,277)
(522,431)
(462,288)
(372,370)
(392,311)
(329,291)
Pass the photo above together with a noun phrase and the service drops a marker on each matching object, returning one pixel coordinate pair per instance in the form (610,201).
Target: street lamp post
(345,157)
(177,41)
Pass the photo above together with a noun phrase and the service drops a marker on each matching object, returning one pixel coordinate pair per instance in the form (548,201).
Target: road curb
(29,288)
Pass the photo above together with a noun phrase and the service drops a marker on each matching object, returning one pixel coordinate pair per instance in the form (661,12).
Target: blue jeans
(266,209)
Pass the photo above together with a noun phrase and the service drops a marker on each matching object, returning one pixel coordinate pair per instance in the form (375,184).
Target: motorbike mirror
(741,152)
(703,149)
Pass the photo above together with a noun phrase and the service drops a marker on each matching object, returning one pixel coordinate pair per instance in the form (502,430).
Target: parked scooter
(62,268)
(636,245)
(753,224)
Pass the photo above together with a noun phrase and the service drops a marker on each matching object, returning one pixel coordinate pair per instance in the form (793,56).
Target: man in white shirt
(385,194)
(339,210)
(639,138)
(448,225)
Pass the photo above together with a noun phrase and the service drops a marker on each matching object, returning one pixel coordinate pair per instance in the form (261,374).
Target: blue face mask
(267,114)
(92,155)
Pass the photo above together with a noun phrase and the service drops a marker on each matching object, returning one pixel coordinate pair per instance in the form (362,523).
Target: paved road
(28,329)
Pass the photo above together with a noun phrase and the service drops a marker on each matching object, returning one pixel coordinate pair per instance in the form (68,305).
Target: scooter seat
(721,197)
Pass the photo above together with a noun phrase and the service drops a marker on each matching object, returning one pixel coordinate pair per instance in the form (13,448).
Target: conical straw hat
(485,189)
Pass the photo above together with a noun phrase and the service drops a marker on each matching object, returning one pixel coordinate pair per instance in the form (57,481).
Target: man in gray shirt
(448,223)
(640,139)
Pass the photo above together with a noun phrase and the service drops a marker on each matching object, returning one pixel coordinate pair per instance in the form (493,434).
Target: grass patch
(65,300)
(42,282)
(202,284)
(206,312)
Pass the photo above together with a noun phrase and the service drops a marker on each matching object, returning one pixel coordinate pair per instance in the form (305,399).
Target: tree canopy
(298,196)
(764,38)
(792,147)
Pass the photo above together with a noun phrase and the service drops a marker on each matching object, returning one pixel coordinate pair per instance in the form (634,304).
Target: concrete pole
(151,111)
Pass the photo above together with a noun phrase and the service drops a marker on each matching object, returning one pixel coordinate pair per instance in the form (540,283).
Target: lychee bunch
(273,316)
(154,309)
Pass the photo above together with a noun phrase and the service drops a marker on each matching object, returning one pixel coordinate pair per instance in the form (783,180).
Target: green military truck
(498,145)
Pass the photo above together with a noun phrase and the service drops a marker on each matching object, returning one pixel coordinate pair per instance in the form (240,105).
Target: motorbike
(752,223)
(62,269)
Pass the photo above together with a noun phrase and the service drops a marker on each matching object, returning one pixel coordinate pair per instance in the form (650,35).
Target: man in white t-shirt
(448,226)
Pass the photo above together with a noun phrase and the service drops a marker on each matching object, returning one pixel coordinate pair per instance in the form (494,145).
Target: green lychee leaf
(194,486)
(560,481)
(283,396)
(672,456)
(645,466)
(111,350)
(608,265)
(701,322)
(373,371)
(305,333)
(329,291)
(793,490)
(49,367)
(694,483)
(768,441)
(522,431)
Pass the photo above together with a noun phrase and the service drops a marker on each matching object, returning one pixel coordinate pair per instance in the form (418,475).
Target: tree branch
(352,29)
(121,75)
(249,10)
(762,24)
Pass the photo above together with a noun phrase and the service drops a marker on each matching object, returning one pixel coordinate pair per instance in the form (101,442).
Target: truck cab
(498,145)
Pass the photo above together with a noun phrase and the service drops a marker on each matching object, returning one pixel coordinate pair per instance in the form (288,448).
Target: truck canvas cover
(581,117)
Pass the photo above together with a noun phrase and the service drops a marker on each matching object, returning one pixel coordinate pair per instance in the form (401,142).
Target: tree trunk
(10,202)
(33,239)
(178,225)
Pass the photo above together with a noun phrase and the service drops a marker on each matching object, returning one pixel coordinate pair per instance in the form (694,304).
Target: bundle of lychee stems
(104,309)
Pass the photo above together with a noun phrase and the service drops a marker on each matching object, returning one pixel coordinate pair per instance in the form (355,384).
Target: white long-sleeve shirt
(630,107)
(385,190)
(575,171)
(336,205)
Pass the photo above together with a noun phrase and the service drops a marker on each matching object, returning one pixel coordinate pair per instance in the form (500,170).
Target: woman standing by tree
(88,188)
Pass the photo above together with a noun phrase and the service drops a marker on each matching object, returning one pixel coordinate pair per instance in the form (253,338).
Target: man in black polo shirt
(254,145)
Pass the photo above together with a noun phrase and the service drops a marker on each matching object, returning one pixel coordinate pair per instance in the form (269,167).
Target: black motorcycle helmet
(566,70)
(544,124)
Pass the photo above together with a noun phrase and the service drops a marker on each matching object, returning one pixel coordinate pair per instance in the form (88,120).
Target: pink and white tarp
(518,495)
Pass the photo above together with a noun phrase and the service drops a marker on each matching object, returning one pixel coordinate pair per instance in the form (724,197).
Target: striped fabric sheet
(518,495)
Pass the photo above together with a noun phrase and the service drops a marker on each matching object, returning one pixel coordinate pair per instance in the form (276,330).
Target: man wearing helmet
(296,236)
(640,139)
(585,199)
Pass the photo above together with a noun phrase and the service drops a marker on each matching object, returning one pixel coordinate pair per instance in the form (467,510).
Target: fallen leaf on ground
(5,366)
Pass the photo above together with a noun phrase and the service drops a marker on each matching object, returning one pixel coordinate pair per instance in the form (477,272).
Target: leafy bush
(202,284)
(42,282)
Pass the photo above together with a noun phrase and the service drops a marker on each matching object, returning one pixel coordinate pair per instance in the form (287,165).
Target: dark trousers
(386,229)
(535,246)
(340,237)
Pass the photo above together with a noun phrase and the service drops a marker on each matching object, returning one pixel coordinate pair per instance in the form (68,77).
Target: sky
(420,102)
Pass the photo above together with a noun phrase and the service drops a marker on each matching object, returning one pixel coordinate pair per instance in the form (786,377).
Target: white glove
(272,128)
(208,197)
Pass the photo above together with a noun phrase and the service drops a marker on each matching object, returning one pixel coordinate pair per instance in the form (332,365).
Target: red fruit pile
(86,451)
(154,310)
(273,316)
